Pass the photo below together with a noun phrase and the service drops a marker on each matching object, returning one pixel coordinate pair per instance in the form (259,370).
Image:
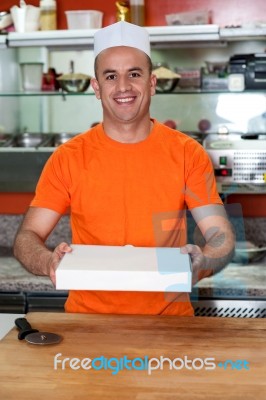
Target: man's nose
(124,83)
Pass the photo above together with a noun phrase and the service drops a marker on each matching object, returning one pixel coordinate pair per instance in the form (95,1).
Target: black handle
(24,328)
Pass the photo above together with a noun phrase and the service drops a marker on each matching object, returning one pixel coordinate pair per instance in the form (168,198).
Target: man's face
(124,84)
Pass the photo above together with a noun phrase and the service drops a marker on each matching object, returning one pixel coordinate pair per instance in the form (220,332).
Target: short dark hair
(96,62)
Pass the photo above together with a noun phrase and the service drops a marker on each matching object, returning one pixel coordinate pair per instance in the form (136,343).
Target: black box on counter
(253,66)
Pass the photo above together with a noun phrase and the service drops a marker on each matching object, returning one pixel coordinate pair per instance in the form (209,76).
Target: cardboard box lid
(124,268)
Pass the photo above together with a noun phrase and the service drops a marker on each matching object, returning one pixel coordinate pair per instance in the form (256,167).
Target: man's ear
(96,87)
(153,84)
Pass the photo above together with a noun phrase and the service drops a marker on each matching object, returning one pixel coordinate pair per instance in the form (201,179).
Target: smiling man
(125,86)
(128,180)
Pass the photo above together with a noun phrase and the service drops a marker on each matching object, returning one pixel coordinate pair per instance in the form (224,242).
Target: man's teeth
(125,100)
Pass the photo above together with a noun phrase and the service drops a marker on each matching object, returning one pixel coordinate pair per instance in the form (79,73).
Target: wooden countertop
(27,371)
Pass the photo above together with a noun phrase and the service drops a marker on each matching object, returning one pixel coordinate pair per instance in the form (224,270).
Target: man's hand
(56,256)
(198,261)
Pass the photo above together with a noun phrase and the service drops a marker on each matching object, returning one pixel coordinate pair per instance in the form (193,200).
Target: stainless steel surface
(61,138)
(43,338)
(230,308)
(239,164)
(247,251)
(23,156)
(34,336)
(31,139)
(74,83)
(20,168)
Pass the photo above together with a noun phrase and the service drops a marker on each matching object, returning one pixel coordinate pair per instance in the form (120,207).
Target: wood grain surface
(27,371)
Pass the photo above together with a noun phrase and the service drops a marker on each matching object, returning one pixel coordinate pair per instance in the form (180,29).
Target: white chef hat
(122,34)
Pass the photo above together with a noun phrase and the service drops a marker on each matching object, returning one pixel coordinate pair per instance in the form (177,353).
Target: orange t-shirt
(122,193)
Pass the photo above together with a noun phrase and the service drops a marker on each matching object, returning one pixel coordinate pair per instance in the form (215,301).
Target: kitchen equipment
(246,252)
(214,81)
(34,140)
(189,77)
(256,72)
(48,15)
(236,82)
(73,82)
(26,18)
(6,140)
(237,63)
(216,66)
(252,66)
(31,76)
(239,162)
(198,17)
(61,138)
(137,12)
(31,139)
(84,19)
(164,85)
(49,82)
(33,336)
(167,80)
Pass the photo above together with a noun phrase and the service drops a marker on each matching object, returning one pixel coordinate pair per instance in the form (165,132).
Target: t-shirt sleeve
(52,190)
(200,183)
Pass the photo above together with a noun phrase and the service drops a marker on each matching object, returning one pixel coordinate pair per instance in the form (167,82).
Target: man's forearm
(218,252)
(30,250)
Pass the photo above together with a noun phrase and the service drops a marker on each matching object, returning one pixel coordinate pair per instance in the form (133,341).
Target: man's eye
(111,77)
(134,74)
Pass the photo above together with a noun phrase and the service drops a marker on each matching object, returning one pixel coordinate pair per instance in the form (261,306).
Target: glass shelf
(44,93)
(176,92)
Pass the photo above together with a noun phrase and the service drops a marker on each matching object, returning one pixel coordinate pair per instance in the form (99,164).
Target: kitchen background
(238,112)
(224,12)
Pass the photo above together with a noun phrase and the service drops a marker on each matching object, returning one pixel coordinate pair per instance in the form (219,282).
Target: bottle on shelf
(137,12)
(48,18)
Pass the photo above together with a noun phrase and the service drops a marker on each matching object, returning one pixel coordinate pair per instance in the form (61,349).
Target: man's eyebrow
(112,71)
(135,69)
(109,71)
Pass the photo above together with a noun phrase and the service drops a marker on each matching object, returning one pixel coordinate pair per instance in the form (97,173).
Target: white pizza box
(124,268)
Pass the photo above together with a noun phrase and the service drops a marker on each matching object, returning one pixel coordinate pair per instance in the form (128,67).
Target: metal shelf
(52,38)
(232,34)
(160,36)
(84,37)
